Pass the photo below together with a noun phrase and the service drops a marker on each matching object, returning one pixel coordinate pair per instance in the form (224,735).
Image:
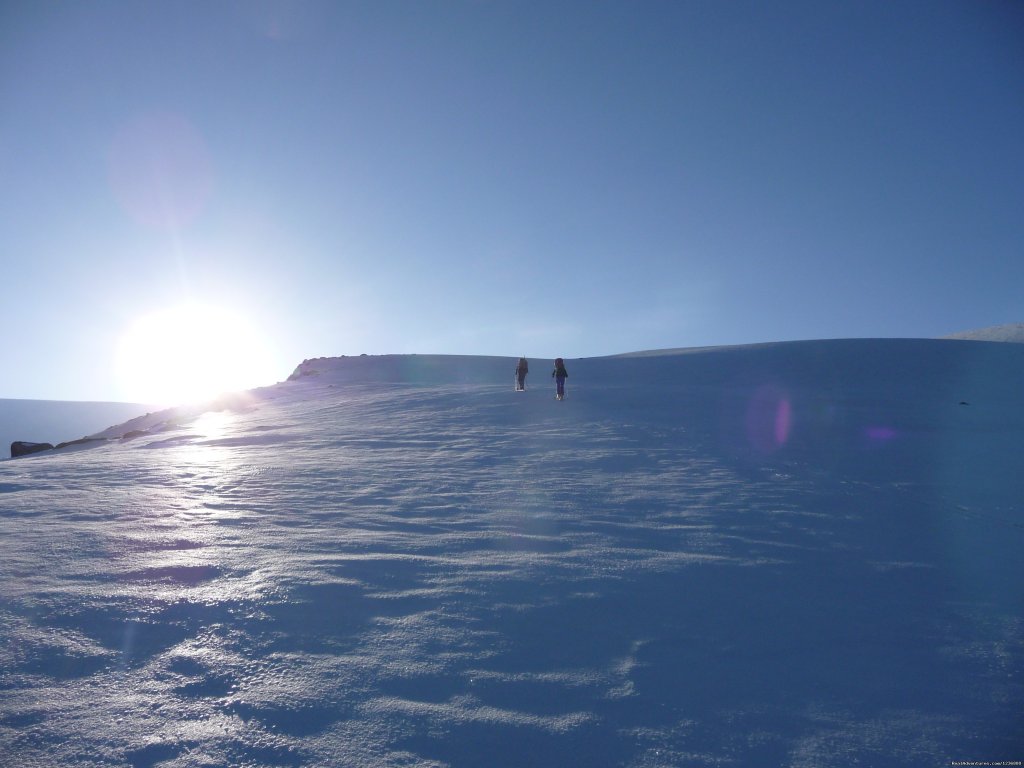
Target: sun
(191,353)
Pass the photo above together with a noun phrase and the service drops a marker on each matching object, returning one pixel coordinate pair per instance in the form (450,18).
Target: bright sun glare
(190,353)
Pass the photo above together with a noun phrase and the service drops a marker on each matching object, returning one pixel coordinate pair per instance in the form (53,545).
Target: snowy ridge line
(1012,332)
(1002,333)
(823,363)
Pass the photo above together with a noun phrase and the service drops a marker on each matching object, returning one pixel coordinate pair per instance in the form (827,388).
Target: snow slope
(802,554)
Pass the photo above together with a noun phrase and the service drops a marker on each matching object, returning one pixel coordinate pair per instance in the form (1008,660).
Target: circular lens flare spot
(160,170)
(769,419)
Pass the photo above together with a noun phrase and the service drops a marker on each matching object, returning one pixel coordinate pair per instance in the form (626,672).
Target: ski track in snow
(695,562)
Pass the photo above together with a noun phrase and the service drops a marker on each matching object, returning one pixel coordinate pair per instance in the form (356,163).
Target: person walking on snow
(522,369)
(559,375)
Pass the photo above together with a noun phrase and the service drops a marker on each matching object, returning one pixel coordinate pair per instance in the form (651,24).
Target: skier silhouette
(559,375)
(522,369)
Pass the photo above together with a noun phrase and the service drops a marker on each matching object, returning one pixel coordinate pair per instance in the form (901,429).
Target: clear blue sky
(538,178)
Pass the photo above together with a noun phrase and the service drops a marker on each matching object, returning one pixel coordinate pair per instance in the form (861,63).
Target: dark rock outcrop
(82,441)
(24,448)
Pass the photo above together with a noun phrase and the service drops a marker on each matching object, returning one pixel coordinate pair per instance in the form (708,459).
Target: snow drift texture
(802,554)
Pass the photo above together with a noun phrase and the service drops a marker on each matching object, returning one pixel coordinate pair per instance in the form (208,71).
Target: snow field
(795,554)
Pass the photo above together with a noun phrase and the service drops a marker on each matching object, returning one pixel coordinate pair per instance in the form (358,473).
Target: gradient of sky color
(540,178)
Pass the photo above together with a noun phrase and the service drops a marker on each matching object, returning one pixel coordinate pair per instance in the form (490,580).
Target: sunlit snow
(803,554)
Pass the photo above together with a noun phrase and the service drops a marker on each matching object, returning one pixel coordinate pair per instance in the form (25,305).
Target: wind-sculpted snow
(803,555)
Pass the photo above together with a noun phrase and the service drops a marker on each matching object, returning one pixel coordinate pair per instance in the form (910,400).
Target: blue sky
(549,179)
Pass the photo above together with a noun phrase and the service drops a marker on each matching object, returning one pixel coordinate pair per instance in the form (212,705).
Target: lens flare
(160,170)
(879,434)
(769,419)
